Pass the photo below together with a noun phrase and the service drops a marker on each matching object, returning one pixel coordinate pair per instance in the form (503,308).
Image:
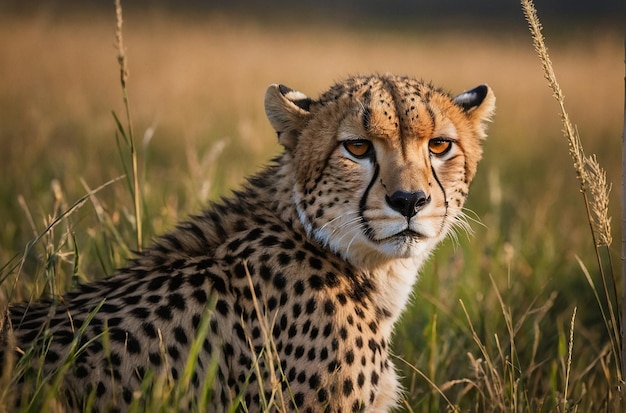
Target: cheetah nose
(407,203)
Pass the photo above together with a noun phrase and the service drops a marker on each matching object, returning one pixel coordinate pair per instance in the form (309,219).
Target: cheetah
(313,260)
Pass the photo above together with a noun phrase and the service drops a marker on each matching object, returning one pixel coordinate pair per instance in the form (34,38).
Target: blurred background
(197,74)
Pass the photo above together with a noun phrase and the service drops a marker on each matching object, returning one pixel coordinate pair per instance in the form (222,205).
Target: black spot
(324,354)
(373,326)
(288,349)
(265,272)
(271,303)
(291,376)
(240,270)
(51,356)
(296,310)
(234,244)
(218,283)
(316,282)
(298,399)
(245,361)
(284,259)
(311,354)
(276,332)
(81,372)
(155,359)
(240,332)
(154,299)
(100,389)
(302,377)
(148,329)
(311,305)
(343,333)
(322,395)
(200,296)
(374,379)
(279,281)
(342,299)
(293,330)
(315,263)
(328,328)
(333,366)
(132,345)
(117,335)
(247,293)
(349,357)
(288,244)
(247,252)
(314,332)
(179,335)
(139,312)
(299,352)
(175,282)
(372,345)
(222,307)
(329,307)
(196,280)
(361,380)
(298,287)
(332,280)
(177,301)
(127,394)
(131,300)
(269,241)
(300,255)
(253,234)
(173,352)
(109,308)
(306,326)
(157,282)
(359,342)
(164,312)
(347,387)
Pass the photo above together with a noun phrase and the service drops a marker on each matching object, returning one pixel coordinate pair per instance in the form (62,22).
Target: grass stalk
(568,367)
(624,220)
(592,181)
(127,133)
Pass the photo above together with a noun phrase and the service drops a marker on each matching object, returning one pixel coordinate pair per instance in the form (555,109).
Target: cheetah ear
(479,104)
(288,112)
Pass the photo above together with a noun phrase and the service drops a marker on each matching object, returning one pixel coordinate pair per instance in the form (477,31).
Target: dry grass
(491,327)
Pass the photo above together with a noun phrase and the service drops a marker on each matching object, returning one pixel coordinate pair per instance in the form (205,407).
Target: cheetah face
(382,164)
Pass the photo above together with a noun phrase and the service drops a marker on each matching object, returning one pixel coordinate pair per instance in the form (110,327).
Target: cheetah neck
(395,280)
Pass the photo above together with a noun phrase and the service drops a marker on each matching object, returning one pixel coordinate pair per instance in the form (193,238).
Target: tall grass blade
(624,225)
(588,178)
(127,132)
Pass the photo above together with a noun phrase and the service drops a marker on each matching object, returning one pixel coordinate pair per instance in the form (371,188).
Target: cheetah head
(381,164)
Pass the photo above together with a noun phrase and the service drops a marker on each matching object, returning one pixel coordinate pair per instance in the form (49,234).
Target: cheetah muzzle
(316,256)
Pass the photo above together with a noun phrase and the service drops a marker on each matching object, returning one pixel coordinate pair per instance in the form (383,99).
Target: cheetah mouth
(404,236)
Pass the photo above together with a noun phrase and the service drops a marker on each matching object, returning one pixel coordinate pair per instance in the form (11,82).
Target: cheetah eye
(359,148)
(439,146)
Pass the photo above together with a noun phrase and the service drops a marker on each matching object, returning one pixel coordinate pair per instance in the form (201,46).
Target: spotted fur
(319,252)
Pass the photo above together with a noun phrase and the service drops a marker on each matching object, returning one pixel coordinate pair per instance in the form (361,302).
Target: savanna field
(489,327)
